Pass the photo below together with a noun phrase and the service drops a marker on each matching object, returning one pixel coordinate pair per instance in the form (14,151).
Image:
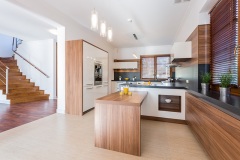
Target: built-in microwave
(97,73)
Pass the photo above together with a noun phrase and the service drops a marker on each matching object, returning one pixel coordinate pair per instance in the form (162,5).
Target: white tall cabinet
(80,89)
(92,55)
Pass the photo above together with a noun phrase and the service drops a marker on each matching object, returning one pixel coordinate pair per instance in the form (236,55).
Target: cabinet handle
(168,100)
(89,84)
(98,62)
(98,86)
(89,88)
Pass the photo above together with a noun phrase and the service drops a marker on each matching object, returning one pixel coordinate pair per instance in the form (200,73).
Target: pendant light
(109,34)
(94,20)
(103,29)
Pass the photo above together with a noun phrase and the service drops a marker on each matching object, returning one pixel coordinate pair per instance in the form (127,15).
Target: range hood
(172,65)
(181,51)
(180,59)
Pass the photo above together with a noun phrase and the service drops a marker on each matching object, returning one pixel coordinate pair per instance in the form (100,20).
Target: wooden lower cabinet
(218,132)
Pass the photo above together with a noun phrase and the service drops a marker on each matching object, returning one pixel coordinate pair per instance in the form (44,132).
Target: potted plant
(206,77)
(225,81)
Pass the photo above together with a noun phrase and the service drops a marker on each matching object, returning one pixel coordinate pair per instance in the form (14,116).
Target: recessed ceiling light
(129,20)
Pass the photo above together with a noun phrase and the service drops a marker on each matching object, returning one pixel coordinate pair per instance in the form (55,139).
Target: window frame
(155,65)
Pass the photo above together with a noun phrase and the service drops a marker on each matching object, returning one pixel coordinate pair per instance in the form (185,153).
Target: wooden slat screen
(224,39)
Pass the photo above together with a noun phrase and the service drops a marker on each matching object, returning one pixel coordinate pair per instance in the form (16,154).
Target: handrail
(31,64)
(6,77)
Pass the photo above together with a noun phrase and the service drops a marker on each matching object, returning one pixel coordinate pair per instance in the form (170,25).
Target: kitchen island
(154,106)
(117,122)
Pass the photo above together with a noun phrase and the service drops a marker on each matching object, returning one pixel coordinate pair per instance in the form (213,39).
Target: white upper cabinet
(92,55)
(104,60)
(88,64)
(182,50)
(125,65)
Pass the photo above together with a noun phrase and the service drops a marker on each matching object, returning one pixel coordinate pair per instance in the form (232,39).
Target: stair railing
(15,44)
(4,78)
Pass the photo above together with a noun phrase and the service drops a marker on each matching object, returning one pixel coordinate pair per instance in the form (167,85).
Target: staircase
(20,89)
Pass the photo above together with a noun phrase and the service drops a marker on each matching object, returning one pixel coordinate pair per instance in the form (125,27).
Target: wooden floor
(67,137)
(15,115)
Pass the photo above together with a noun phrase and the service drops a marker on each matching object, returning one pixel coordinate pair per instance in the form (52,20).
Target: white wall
(192,19)
(73,31)
(6,46)
(127,53)
(42,54)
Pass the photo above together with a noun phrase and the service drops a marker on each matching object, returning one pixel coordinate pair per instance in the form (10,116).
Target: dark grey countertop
(229,104)
(127,81)
(163,85)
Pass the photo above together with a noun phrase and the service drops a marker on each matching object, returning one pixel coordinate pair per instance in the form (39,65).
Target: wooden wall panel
(74,68)
(218,132)
(117,128)
(204,44)
(200,38)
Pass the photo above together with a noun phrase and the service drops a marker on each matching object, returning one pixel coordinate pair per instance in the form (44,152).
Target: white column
(61,70)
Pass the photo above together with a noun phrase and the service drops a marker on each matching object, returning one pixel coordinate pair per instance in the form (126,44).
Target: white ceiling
(20,23)
(155,22)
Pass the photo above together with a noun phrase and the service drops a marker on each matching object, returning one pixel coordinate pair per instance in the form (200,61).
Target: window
(224,39)
(153,67)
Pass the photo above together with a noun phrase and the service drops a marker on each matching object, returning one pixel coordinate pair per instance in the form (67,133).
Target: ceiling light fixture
(109,34)
(94,20)
(103,28)
(129,20)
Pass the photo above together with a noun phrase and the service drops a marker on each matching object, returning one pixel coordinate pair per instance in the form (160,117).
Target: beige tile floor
(66,137)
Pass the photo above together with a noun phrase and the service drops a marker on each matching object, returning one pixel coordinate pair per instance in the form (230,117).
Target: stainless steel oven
(97,73)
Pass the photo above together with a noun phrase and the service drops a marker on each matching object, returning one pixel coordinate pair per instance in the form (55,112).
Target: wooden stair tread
(17,77)
(17,85)
(18,81)
(20,89)
(34,96)
(30,99)
(10,70)
(24,94)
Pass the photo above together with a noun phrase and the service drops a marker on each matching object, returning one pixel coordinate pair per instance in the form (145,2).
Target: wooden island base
(117,122)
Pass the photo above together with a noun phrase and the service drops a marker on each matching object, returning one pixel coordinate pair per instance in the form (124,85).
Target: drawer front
(174,105)
(174,99)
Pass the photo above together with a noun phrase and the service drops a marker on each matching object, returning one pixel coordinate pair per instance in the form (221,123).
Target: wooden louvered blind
(224,39)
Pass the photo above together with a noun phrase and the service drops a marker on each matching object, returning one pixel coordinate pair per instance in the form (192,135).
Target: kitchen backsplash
(126,75)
